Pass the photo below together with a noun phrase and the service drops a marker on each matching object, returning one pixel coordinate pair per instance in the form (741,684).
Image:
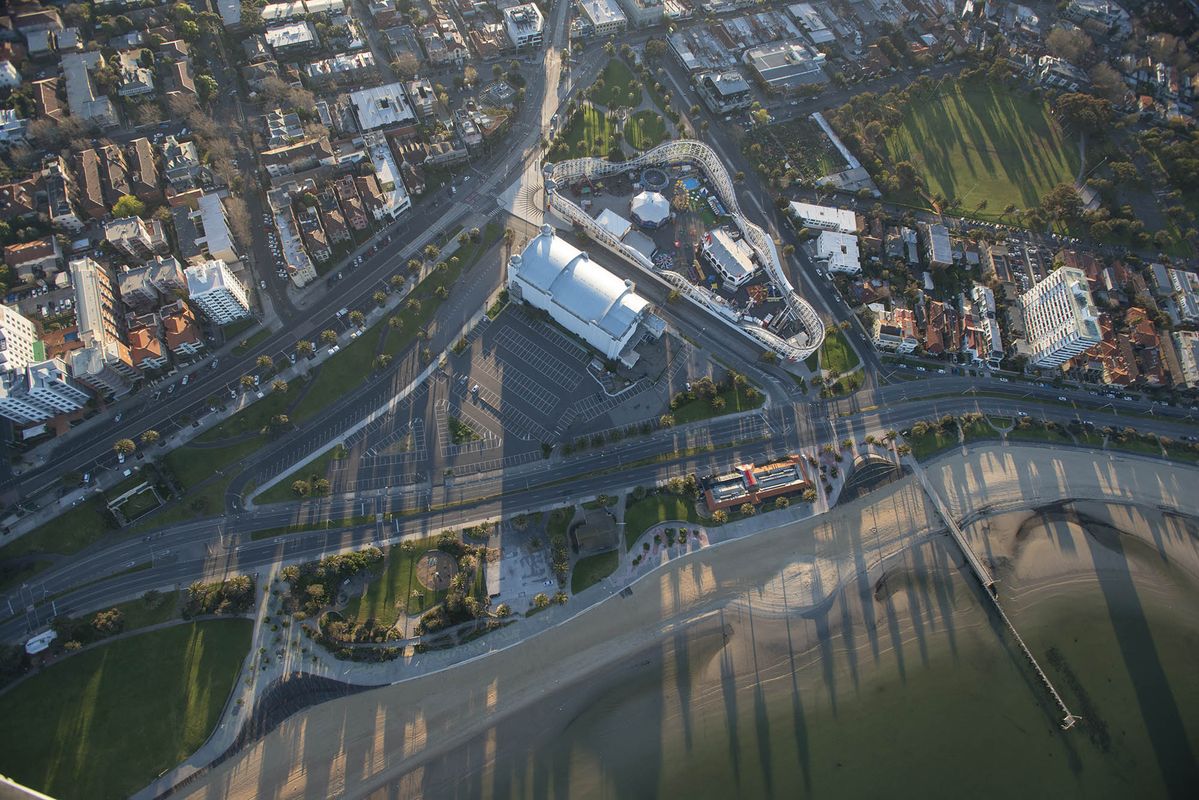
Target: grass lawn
(645,129)
(735,399)
(338,375)
(190,464)
(141,503)
(250,342)
(318,467)
(621,88)
(582,134)
(934,441)
(254,417)
(835,353)
(139,615)
(984,145)
(590,570)
(209,500)
(1039,433)
(104,723)
(641,515)
(66,534)
(390,594)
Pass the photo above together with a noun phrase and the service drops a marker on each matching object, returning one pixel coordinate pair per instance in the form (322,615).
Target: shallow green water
(906,689)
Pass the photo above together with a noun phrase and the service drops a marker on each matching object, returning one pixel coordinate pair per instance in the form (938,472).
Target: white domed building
(650,210)
(582,296)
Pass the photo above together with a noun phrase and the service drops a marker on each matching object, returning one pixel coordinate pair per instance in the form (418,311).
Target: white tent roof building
(613,223)
(582,296)
(650,209)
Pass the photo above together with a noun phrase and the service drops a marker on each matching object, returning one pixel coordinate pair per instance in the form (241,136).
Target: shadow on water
(1158,705)
(803,752)
(728,687)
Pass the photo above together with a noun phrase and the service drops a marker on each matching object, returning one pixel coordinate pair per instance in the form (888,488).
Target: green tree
(207,87)
(128,206)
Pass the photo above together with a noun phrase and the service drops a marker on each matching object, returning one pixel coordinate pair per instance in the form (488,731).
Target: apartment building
(181,330)
(104,362)
(216,292)
(1060,318)
(18,337)
(41,391)
(137,238)
(525,26)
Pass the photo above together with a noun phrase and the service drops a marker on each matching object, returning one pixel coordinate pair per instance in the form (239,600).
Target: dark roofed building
(143,171)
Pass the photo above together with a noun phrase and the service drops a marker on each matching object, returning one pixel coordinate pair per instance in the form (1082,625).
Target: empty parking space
(517,383)
(525,350)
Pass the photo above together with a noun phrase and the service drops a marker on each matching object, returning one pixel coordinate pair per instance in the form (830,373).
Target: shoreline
(694,592)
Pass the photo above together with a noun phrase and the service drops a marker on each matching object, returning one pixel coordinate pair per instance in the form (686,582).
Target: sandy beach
(828,613)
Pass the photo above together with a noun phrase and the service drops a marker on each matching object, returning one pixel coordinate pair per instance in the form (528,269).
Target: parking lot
(519,384)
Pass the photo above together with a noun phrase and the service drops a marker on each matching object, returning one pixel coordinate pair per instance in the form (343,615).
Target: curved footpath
(352,746)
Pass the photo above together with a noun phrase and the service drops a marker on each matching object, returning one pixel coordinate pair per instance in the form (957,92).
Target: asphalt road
(395,245)
(213,547)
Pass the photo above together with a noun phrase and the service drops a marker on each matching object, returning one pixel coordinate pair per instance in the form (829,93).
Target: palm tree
(394,321)
(541,600)
(397,281)
(379,297)
(329,336)
(305,348)
(357,318)
(124,447)
(413,305)
(279,385)
(150,437)
(441,292)
(264,362)
(247,381)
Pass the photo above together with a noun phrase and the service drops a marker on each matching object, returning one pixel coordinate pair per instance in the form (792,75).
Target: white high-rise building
(42,391)
(17,338)
(1060,318)
(217,293)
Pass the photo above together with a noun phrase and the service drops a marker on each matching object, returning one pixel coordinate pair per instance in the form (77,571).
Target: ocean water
(902,683)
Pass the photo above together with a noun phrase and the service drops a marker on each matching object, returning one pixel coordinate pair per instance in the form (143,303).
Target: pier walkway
(987,580)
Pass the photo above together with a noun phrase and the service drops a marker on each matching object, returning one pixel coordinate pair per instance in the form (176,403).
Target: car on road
(186,378)
(1063,398)
(262,284)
